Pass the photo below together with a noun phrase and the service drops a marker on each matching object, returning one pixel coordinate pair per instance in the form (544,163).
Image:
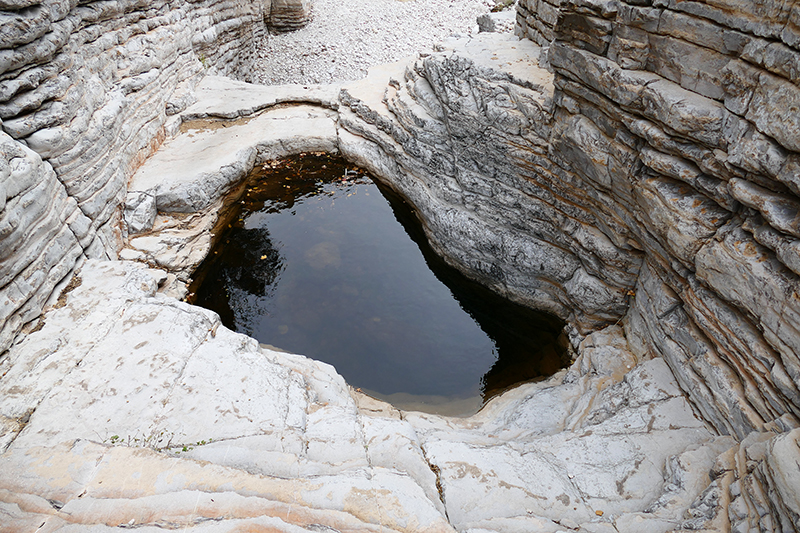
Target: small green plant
(158,441)
(203,60)
(190,447)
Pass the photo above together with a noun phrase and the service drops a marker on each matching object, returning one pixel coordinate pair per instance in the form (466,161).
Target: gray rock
(220,97)
(771,99)
(780,211)
(781,461)
(696,30)
(650,178)
(206,162)
(40,230)
(693,67)
(500,22)
(140,212)
(288,15)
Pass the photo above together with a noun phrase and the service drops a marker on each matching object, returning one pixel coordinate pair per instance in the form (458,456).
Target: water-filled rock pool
(320,260)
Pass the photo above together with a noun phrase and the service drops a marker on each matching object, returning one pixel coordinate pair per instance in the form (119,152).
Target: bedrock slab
(222,97)
(128,407)
(197,167)
(120,364)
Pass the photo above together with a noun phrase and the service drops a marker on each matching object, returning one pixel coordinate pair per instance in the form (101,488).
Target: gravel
(346,37)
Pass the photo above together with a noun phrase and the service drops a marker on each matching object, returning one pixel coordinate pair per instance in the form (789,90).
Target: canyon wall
(640,168)
(655,182)
(86,89)
(685,114)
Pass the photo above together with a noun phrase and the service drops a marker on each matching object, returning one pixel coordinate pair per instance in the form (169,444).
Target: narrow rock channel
(631,169)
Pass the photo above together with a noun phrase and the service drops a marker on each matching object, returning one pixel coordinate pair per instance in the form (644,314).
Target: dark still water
(320,261)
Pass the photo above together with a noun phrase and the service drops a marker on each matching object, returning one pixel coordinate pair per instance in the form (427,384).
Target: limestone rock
(534,475)
(643,170)
(249,436)
(220,97)
(499,22)
(140,211)
(452,140)
(42,231)
(288,15)
(197,168)
(781,467)
(178,244)
(285,415)
(85,88)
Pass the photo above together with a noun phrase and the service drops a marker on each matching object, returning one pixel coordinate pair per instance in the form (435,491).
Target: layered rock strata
(649,179)
(89,88)
(465,136)
(684,99)
(665,123)
(608,193)
(666,192)
(664,128)
(288,15)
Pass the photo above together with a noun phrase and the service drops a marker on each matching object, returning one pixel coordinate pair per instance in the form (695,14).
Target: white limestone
(221,97)
(125,407)
(196,168)
(151,396)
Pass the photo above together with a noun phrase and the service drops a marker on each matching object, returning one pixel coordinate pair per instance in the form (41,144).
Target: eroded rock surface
(127,407)
(288,15)
(88,88)
(464,134)
(639,172)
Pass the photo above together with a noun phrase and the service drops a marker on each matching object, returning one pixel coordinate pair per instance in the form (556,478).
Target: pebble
(344,39)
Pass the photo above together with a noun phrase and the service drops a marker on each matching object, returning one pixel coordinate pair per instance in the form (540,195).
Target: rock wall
(85,92)
(698,103)
(655,183)
(537,19)
(467,141)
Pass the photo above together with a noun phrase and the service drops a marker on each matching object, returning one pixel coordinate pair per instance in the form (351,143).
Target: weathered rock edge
(130,408)
(673,121)
(388,130)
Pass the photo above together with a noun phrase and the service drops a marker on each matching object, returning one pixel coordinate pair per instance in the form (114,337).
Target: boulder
(288,15)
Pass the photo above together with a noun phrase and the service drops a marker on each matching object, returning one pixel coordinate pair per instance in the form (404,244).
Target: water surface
(319,261)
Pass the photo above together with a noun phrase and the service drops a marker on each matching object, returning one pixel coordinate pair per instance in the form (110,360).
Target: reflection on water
(316,263)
